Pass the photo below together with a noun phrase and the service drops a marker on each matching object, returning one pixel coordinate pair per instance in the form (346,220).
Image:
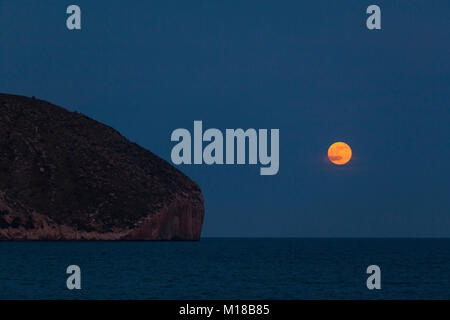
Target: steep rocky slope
(66,176)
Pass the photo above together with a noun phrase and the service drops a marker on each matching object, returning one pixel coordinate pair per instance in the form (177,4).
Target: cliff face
(66,176)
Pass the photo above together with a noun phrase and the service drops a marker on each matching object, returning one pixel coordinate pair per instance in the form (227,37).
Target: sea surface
(231,268)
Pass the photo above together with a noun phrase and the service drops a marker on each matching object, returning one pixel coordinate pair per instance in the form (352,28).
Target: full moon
(339,153)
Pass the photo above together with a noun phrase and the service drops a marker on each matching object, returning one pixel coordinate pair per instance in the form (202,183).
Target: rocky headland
(64,176)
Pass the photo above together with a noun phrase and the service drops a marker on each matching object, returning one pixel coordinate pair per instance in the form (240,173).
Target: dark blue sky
(311,69)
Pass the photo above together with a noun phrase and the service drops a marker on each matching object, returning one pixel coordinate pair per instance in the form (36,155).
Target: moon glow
(339,153)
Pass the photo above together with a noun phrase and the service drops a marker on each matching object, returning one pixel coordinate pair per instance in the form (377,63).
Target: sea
(228,268)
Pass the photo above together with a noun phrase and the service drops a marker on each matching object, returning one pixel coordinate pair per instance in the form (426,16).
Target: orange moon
(339,153)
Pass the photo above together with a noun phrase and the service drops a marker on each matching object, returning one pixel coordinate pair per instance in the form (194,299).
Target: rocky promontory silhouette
(64,176)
